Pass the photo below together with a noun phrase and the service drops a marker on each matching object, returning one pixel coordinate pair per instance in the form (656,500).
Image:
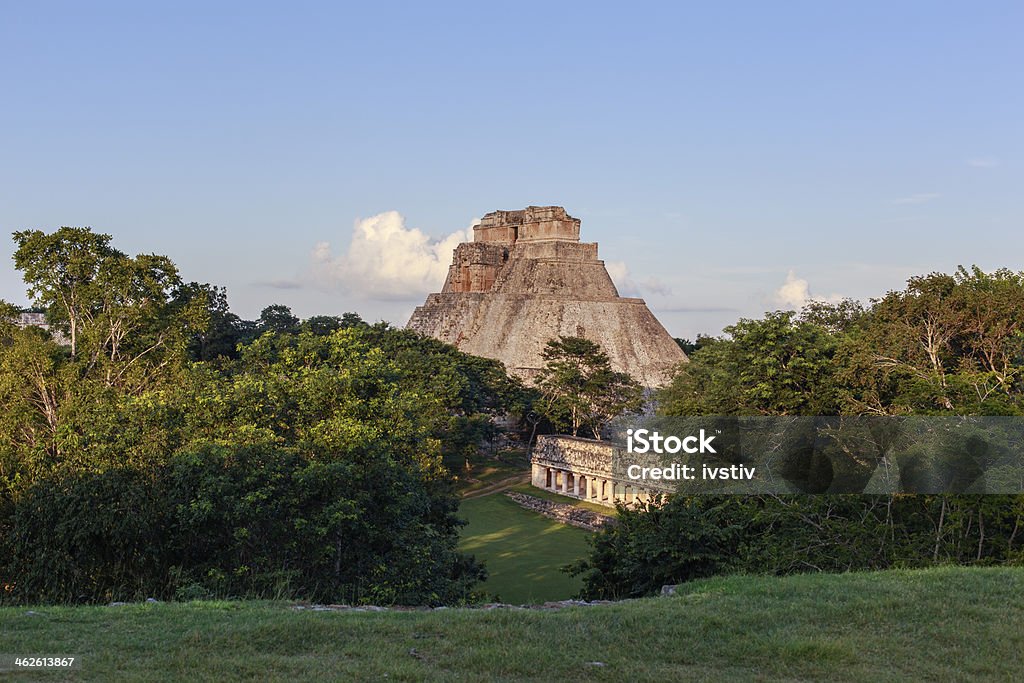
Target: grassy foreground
(938,624)
(523,550)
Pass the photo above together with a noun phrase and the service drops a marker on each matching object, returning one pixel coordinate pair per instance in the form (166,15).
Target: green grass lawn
(938,625)
(486,470)
(524,551)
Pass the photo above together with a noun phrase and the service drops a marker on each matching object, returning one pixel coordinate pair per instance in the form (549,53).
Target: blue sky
(715,150)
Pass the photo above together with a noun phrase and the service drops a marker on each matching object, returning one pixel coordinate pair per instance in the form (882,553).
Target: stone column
(576,485)
(538,475)
(565,482)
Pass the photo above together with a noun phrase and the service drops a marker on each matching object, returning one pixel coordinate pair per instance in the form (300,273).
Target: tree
(579,388)
(8,316)
(322,325)
(836,317)
(690,347)
(306,458)
(117,310)
(774,366)
(61,271)
(219,331)
(277,318)
(945,344)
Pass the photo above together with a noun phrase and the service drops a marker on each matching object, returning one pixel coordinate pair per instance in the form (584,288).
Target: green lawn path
(523,550)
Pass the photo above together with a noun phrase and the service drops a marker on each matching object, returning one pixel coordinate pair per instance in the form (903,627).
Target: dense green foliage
(946,345)
(580,391)
(165,447)
(236,521)
(691,537)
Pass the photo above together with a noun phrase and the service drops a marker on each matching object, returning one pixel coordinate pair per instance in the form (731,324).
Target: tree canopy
(173,449)
(947,344)
(944,345)
(579,389)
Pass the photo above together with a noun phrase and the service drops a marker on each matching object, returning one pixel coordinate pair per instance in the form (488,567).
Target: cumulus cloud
(620,276)
(795,293)
(919,198)
(655,286)
(387,260)
(628,286)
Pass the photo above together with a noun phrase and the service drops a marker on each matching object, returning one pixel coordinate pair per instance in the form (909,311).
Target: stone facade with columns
(582,468)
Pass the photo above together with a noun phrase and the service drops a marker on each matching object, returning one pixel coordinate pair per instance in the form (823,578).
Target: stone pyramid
(525,279)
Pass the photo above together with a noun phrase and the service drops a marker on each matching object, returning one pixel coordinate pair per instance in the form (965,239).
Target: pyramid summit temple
(526,279)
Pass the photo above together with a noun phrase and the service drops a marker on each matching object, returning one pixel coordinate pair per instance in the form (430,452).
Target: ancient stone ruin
(526,279)
(582,468)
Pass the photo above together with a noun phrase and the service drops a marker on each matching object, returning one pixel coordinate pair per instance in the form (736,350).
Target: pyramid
(526,279)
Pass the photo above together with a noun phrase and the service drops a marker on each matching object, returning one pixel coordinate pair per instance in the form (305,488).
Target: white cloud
(983,162)
(920,198)
(620,276)
(795,293)
(387,260)
(655,286)
(627,286)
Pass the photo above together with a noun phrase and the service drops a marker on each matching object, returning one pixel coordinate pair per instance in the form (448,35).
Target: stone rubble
(551,605)
(486,607)
(563,512)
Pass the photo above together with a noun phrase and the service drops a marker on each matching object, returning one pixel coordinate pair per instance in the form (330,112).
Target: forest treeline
(947,344)
(154,444)
(163,447)
(944,345)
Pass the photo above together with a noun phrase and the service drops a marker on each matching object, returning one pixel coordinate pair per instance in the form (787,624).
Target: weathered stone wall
(515,329)
(582,468)
(30,319)
(584,456)
(568,270)
(475,265)
(531,223)
(566,513)
(507,295)
(561,251)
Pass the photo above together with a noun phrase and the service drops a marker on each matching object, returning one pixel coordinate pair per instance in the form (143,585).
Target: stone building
(526,279)
(583,468)
(36,319)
